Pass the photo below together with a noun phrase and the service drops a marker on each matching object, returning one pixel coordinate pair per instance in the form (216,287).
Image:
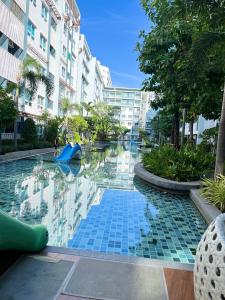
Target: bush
(51,130)
(214,191)
(187,164)
(29,132)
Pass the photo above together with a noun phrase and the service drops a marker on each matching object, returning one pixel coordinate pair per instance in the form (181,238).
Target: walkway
(69,275)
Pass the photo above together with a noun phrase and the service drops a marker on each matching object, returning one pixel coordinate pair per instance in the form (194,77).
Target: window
(40,102)
(43,42)
(14,49)
(52,51)
(64,51)
(44,12)
(63,72)
(66,9)
(50,104)
(31,29)
(65,29)
(34,2)
(52,77)
(43,71)
(53,24)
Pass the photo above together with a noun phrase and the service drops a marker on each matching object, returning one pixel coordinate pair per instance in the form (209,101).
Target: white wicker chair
(209,271)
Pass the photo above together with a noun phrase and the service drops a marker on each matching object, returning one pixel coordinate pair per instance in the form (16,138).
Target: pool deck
(64,274)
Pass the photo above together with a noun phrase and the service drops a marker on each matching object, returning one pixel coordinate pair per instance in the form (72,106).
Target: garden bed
(208,211)
(164,183)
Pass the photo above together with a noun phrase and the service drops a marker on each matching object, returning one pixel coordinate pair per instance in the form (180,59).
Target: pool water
(98,205)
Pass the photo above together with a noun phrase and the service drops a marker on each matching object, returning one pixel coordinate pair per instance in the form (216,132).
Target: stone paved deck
(98,278)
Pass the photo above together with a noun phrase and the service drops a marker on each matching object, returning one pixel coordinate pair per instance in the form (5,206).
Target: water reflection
(60,195)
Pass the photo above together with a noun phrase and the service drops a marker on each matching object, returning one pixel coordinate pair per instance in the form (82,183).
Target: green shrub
(51,130)
(187,164)
(214,191)
(29,132)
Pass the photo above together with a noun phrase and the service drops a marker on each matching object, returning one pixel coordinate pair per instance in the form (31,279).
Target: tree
(29,79)
(8,111)
(163,56)
(51,130)
(103,116)
(29,131)
(209,48)
(77,124)
(88,107)
(162,125)
(66,106)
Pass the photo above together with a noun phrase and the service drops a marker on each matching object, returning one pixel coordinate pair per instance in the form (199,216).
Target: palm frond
(46,80)
(29,85)
(30,63)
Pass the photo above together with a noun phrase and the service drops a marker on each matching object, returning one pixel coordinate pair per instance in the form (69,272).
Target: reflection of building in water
(59,196)
(120,167)
(57,200)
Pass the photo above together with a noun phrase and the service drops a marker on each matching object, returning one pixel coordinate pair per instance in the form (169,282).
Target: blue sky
(112,28)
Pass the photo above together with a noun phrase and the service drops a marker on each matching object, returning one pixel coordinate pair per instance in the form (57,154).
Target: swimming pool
(99,205)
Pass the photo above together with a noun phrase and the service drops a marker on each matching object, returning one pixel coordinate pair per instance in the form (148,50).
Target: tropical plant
(66,106)
(8,111)
(29,79)
(209,49)
(103,117)
(29,131)
(88,107)
(51,130)
(214,191)
(188,164)
(77,124)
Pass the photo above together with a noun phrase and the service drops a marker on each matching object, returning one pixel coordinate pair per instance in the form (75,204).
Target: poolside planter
(209,271)
(176,186)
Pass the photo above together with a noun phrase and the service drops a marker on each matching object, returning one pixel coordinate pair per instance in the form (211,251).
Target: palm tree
(66,106)
(88,107)
(29,79)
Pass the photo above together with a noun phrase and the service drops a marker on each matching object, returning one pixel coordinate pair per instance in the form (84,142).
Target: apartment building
(49,32)
(52,39)
(106,77)
(83,79)
(13,16)
(91,78)
(132,106)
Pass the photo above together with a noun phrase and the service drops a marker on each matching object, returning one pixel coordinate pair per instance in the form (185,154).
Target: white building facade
(132,106)
(49,31)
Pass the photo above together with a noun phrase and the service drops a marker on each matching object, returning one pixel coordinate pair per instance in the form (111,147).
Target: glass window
(43,42)
(66,8)
(53,24)
(40,102)
(14,49)
(31,29)
(44,12)
(52,51)
(65,29)
(63,72)
(64,51)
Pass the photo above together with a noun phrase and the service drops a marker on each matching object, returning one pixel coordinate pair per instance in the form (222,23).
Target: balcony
(10,66)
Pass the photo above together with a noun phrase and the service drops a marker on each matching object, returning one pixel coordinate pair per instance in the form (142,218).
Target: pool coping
(13,156)
(167,184)
(207,210)
(120,258)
